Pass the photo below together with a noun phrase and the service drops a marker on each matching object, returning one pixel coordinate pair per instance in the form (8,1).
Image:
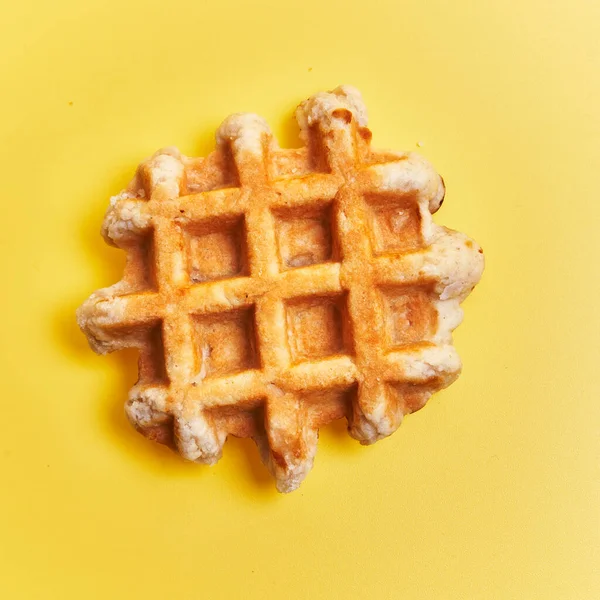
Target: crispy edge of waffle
(374,381)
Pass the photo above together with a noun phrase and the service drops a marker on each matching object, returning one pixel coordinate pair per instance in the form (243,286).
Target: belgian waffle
(271,291)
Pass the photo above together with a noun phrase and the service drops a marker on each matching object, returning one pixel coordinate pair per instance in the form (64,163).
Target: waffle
(271,291)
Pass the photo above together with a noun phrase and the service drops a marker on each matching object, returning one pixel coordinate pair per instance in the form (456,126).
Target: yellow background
(493,490)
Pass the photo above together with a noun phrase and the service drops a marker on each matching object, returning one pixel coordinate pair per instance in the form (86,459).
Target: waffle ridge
(272,291)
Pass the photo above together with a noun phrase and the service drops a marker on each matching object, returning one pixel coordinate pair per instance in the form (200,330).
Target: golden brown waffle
(272,291)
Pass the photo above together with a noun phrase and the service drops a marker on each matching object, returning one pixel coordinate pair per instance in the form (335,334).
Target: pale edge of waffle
(272,291)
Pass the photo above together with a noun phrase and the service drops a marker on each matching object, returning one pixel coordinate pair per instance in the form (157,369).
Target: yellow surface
(492,491)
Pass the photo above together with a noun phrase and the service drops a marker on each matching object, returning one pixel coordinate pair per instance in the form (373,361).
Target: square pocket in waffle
(272,291)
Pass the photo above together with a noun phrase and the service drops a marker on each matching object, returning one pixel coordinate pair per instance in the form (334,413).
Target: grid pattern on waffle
(275,289)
